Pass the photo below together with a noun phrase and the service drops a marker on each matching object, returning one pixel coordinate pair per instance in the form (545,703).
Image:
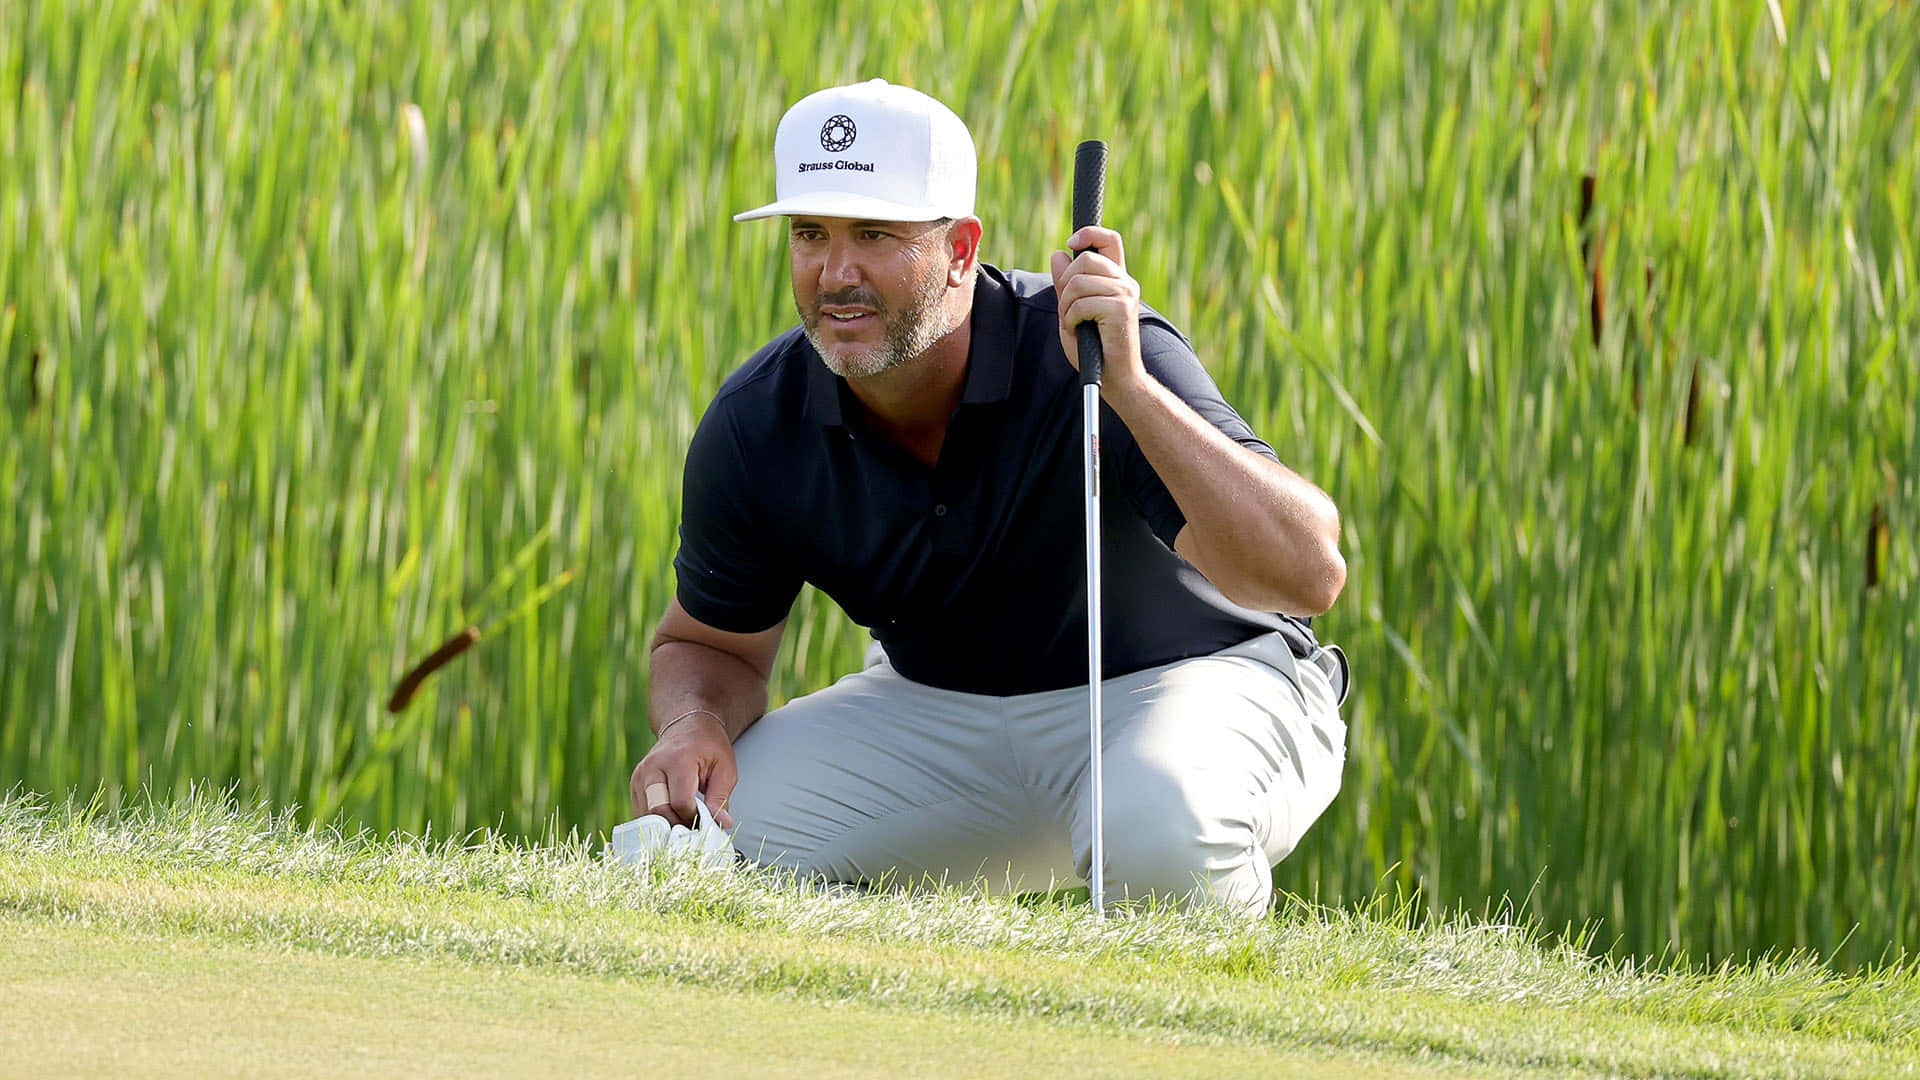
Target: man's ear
(963,250)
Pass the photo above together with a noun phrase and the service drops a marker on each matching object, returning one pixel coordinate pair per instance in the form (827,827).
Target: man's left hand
(1094,285)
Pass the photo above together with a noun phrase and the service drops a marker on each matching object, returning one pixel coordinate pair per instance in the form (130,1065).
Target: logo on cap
(837,133)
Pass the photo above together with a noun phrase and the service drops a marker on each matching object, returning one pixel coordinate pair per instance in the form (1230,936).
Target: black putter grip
(1089,192)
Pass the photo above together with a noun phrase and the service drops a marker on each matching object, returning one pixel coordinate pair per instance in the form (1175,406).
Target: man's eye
(875,234)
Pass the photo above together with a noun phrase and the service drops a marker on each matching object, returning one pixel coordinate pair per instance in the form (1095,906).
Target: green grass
(280,397)
(90,999)
(412,944)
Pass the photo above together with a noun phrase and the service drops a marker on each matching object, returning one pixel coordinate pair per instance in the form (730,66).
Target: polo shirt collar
(990,349)
(989,354)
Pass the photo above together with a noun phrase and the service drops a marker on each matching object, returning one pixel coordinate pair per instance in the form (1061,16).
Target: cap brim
(858,207)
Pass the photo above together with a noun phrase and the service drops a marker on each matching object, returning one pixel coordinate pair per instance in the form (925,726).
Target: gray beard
(909,333)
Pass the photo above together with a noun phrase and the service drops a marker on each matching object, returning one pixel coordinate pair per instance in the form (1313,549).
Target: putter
(1089,192)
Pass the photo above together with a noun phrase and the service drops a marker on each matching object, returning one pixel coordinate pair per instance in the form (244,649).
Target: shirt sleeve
(732,575)
(1170,358)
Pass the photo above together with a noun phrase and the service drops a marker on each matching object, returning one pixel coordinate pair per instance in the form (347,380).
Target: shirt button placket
(949,537)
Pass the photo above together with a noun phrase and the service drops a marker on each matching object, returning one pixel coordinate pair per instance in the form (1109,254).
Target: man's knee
(1184,840)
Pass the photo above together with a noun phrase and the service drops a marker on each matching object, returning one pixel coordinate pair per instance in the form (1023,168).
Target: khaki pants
(1213,768)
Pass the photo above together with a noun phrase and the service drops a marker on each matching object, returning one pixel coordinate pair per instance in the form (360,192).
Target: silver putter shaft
(1090,406)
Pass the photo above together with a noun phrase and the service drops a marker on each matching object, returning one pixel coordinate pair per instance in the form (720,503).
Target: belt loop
(1340,675)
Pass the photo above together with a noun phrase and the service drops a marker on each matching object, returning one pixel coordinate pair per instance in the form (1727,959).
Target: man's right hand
(693,755)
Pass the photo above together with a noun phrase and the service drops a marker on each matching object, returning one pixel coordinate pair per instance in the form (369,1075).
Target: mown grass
(1472,992)
(86,1000)
(289,379)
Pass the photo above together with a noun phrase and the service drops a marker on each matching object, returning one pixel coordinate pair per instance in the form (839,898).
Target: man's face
(869,293)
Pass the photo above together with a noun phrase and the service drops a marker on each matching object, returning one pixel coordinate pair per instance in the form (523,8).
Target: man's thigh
(1247,736)
(879,778)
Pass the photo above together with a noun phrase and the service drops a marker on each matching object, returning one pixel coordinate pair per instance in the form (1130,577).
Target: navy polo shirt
(971,574)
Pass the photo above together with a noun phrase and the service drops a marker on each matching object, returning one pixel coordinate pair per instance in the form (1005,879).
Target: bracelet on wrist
(661,734)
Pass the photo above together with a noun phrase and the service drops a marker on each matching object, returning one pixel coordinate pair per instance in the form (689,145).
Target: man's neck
(911,404)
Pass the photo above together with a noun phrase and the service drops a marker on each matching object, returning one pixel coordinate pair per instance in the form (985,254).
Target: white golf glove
(636,842)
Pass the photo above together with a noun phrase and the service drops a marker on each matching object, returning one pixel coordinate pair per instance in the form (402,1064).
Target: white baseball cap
(871,151)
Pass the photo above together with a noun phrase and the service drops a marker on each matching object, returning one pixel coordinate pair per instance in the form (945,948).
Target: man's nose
(842,268)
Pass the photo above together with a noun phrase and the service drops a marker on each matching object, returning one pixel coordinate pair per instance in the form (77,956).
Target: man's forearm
(1264,535)
(686,675)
